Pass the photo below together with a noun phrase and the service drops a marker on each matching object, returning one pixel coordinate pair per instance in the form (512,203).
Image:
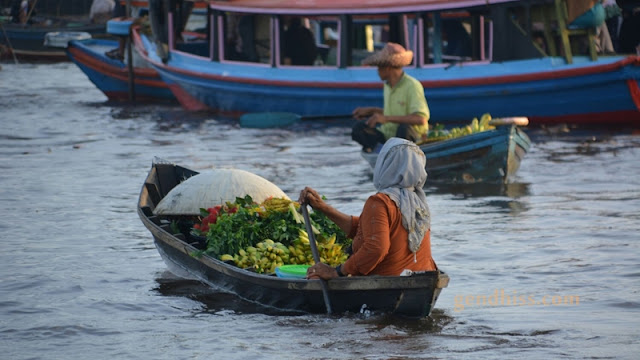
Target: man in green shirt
(405,114)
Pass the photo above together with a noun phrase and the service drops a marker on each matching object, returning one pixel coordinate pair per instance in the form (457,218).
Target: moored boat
(491,156)
(27,41)
(111,75)
(414,295)
(495,69)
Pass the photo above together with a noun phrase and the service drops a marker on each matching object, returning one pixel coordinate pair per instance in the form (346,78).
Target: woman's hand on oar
(321,271)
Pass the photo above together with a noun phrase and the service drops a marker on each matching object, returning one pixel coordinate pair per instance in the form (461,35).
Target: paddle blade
(265,120)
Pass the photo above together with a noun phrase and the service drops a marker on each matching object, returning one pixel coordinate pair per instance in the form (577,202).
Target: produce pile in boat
(438,131)
(261,237)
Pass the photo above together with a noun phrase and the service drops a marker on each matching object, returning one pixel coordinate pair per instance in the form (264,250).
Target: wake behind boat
(414,295)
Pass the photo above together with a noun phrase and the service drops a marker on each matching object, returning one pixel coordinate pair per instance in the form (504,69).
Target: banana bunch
(267,254)
(475,127)
(330,253)
(263,258)
(278,204)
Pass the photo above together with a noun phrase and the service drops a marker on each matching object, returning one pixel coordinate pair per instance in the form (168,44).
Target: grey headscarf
(400,173)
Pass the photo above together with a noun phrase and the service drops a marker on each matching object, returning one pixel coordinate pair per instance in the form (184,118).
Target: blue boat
(491,156)
(498,70)
(111,75)
(27,41)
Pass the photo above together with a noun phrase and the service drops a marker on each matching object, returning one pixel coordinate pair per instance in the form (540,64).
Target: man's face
(383,73)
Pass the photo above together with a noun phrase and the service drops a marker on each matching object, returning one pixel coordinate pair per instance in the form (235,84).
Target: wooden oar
(316,256)
(265,120)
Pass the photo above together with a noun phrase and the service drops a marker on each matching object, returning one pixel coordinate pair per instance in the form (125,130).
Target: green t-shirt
(406,98)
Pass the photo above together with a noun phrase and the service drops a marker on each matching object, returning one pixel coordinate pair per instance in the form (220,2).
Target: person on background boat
(298,44)
(101,11)
(405,113)
(587,14)
(119,10)
(15,11)
(629,40)
(613,20)
(22,11)
(392,234)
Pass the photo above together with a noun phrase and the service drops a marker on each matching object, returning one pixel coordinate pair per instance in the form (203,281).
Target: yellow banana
(226,257)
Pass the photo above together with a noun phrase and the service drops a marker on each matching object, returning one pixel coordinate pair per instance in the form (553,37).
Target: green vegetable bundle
(245,223)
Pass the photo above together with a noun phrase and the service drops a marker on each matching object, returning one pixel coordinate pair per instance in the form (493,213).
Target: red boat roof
(344,6)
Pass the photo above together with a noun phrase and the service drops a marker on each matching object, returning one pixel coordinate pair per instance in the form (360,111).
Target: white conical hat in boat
(216,187)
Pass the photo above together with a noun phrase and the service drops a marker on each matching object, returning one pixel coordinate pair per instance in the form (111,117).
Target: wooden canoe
(412,296)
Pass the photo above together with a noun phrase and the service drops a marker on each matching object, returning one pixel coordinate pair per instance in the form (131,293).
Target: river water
(546,267)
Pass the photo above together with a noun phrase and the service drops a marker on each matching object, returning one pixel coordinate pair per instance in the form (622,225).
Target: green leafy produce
(245,223)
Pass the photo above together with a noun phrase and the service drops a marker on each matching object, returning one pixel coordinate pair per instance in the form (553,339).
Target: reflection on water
(434,324)
(213,301)
(475,190)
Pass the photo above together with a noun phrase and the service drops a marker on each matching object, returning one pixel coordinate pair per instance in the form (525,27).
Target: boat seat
(555,18)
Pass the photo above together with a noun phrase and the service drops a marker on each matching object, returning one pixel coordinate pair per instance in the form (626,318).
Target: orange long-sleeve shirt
(380,245)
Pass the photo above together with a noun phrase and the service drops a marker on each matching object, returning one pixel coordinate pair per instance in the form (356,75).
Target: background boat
(26,41)
(111,75)
(502,70)
(491,156)
(413,295)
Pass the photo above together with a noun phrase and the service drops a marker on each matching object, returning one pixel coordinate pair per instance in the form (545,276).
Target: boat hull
(412,296)
(111,76)
(547,91)
(492,156)
(27,41)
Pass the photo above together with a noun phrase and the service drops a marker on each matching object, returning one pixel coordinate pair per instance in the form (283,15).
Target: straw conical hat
(392,54)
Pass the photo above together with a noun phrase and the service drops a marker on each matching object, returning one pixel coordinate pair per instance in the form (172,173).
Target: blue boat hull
(111,76)
(492,156)
(546,90)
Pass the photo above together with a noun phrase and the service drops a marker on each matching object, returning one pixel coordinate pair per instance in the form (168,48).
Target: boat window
(453,37)
(327,35)
(247,37)
(371,33)
(299,41)
(194,37)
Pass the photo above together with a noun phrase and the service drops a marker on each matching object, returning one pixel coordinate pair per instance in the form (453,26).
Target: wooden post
(437,38)
(132,91)
(344,59)
(563,31)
